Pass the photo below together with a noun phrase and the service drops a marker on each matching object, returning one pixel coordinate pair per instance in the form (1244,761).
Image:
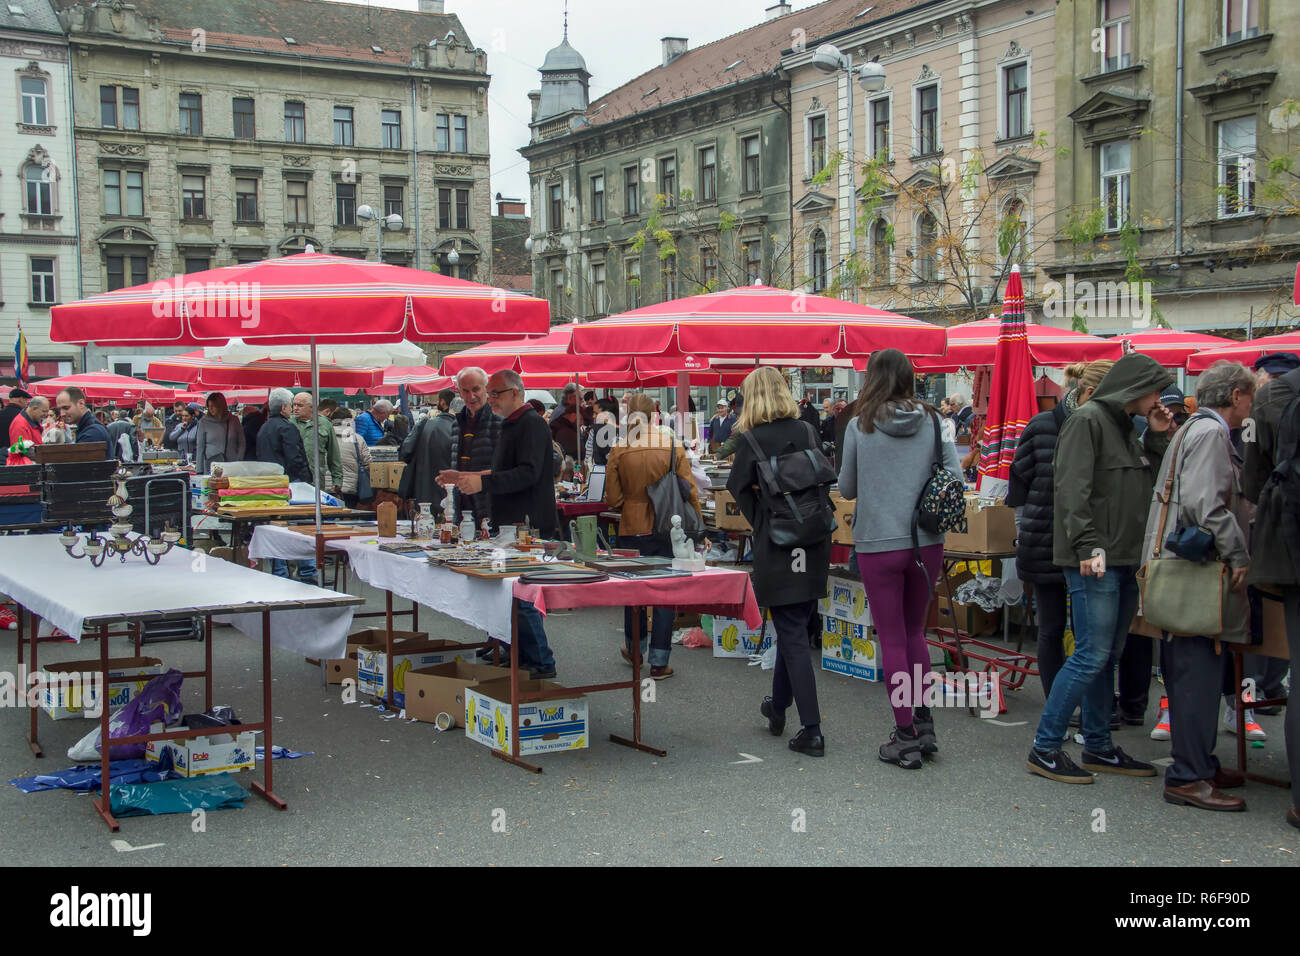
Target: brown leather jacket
(630,470)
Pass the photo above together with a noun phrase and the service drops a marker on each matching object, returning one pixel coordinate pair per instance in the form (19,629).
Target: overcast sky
(517,33)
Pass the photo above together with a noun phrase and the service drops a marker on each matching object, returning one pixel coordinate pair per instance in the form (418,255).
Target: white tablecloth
(480,602)
(37,572)
(276,541)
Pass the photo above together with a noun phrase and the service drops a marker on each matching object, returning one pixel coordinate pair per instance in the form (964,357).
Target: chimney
(433,6)
(673,48)
(776,10)
(514,208)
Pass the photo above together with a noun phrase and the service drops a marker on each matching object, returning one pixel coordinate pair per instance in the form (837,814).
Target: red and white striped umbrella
(194,368)
(976,343)
(105,387)
(1244,352)
(1172,347)
(1011,395)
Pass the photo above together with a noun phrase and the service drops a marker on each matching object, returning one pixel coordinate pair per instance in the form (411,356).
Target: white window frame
(104,174)
(888,99)
(604,199)
(874,253)
(1004,117)
(1026,233)
(1124,184)
(917,88)
(598,279)
(53,283)
(920,277)
(1125,25)
(1245,7)
(811,168)
(1245,163)
(821,280)
(44,190)
(39,101)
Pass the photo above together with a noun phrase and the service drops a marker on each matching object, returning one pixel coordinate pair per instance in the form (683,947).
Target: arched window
(818,262)
(880,252)
(1013,233)
(927,235)
(40,189)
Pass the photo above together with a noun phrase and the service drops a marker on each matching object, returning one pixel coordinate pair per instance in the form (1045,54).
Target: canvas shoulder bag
(1179,596)
(667,500)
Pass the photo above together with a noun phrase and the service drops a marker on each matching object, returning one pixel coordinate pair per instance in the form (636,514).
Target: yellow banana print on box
(859,603)
(730,638)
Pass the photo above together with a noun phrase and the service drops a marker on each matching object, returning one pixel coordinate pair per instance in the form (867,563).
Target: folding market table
(90,599)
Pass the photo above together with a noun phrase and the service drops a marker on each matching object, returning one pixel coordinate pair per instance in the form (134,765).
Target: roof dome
(564,57)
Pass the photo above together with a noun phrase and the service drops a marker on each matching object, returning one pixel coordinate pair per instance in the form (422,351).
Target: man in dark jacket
(254,419)
(566,424)
(18,399)
(426,451)
(521,489)
(170,423)
(71,403)
(1103,480)
(279,440)
(474,434)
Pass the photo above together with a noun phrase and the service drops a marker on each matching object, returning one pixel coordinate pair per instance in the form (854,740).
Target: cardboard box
(407,656)
(440,689)
(846,600)
(734,638)
(851,649)
(843,533)
(990,530)
(339,669)
(972,619)
(64,696)
(198,756)
(727,513)
(544,725)
(379,474)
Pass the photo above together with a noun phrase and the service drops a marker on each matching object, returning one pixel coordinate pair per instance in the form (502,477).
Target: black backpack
(796,490)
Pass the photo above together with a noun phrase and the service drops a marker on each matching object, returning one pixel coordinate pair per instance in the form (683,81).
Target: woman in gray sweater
(888,458)
(220,435)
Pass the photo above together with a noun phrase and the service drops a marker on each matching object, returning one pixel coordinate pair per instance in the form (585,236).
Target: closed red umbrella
(1172,347)
(298,299)
(976,343)
(105,387)
(1244,352)
(193,368)
(1011,394)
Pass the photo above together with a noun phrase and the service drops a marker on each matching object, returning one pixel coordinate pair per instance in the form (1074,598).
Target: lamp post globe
(828,58)
(366,213)
(871,77)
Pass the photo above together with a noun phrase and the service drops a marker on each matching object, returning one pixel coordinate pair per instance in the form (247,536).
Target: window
(709,270)
(113,182)
(394,200)
(451,133)
(749,175)
(598,288)
(1115,183)
(1115,34)
(631,191)
(295,202)
(927,116)
(927,235)
(462,208)
(1237,166)
(191,114)
(880,110)
(460,134)
(816,144)
(40,191)
(295,122)
(668,180)
(817,262)
(1240,20)
(555,202)
(598,198)
(670,278)
(343,126)
(1015,103)
(42,271)
(34,104)
(108,107)
(197,264)
(1013,234)
(708,174)
(453,203)
(345,204)
(556,290)
(245,126)
(193,197)
(632,275)
(442,133)
(880,252)
(391,121)
(112,192)
(130,108)
(122,268)
(246,200)
(753,252)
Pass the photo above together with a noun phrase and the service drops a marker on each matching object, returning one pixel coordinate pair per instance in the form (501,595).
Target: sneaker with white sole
(1056,766)
(1161,730)
(1117,761)
(1253,730)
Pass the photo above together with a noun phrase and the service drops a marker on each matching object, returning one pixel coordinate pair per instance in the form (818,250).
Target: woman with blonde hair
(642,458)
(787,581)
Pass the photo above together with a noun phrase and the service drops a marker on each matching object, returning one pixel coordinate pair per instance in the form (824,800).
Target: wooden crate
(86,451)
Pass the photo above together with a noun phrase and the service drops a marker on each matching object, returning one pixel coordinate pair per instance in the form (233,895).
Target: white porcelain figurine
(685,558)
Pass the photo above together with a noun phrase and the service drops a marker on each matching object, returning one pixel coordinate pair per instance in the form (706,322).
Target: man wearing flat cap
(1274,364)
(18,399)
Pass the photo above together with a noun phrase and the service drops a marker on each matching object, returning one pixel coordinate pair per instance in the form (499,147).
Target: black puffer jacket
(1031,485)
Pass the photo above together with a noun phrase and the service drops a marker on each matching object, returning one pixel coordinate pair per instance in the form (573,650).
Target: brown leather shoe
(1201,794)
(1293,817)
(1226,779)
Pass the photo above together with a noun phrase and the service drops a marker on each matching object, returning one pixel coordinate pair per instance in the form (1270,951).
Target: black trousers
(1194,684)
(792,679)
(1134,684)
(1050,602)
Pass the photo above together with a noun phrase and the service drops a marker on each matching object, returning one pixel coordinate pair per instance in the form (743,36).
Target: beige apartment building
(951,156)
(212,134)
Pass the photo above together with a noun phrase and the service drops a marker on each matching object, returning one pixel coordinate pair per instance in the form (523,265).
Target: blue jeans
(661,618)
(306,570)
(1102,609)
(534,652)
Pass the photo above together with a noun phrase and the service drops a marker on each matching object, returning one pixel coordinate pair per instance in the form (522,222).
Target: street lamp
(393,221)
(871,76)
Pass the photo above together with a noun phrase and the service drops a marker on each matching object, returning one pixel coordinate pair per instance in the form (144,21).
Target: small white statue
(685,557)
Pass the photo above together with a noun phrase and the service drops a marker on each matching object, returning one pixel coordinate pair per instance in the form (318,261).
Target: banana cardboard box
(407,656)
(197,756)
(733,638)
(544,725)
(850,649)
(65,696)
(846,600)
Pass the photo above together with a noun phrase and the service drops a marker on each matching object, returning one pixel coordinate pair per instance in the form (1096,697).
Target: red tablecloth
(715,591)
(576,509)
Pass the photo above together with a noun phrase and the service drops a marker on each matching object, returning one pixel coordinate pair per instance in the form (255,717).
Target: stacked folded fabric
(247,493)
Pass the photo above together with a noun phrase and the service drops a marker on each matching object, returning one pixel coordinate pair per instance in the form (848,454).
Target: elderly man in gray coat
(1202,472)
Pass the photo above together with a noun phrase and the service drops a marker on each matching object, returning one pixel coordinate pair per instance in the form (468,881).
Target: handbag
(1180,596)
(941,506)
(667,500)
(364,491)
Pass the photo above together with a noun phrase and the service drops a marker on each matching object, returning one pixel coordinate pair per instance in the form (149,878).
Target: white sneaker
(1253,730)
(1161,729)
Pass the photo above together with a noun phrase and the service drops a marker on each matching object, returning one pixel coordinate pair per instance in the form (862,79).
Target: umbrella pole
(683,403)
(315,446)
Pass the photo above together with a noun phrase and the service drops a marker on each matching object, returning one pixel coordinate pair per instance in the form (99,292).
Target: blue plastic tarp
(216,792)
(86,778)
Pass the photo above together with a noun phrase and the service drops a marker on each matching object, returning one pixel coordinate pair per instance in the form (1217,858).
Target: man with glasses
(520,488)
(474,435)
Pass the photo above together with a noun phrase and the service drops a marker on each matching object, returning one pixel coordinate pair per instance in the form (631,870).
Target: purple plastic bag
(159,701)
